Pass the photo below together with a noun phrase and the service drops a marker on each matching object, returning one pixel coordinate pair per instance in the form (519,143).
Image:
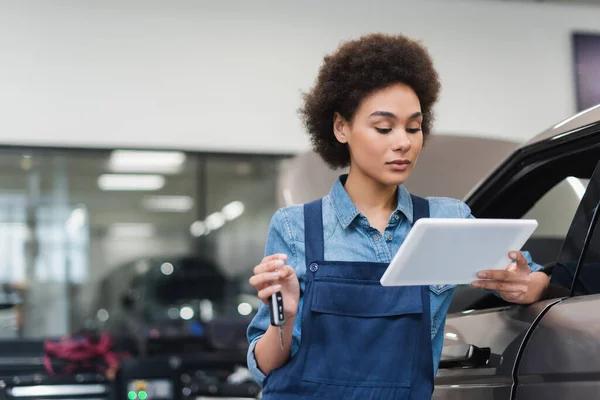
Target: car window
(554,212)
(579,241)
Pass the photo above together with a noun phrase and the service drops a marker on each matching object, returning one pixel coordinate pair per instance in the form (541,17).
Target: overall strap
(313,231)
(420,208)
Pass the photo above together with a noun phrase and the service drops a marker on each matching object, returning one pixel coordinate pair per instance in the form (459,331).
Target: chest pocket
(439,289)
(361,334)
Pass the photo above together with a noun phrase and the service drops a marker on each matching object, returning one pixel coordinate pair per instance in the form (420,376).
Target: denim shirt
(349,237)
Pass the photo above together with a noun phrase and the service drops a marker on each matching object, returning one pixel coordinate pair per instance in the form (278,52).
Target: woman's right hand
(272,276)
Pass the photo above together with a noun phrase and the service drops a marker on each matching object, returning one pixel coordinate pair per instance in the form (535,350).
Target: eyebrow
(388,114)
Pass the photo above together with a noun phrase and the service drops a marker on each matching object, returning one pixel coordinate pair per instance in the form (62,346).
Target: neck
(370,196)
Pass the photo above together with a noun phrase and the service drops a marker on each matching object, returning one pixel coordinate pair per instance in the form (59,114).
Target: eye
(413,130)
(383,130)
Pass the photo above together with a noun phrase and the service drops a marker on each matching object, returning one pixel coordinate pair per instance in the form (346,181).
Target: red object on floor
(85,353)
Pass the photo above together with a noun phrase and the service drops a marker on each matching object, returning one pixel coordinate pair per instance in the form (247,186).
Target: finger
(499,286)
(286,272)
(266,293)
(261,280)
(498,275)
(520,260)
(272,257)
(272,265)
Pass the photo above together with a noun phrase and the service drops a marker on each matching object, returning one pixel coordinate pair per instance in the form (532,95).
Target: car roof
(568,126)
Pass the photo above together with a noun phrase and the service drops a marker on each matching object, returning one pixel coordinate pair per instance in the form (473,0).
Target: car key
(277,316)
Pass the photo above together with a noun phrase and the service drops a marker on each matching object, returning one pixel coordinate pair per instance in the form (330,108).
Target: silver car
(551,349)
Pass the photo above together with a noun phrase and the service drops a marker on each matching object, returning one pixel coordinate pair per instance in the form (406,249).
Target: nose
(401,141)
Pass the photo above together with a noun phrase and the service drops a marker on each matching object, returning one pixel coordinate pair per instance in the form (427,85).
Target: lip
(399,165)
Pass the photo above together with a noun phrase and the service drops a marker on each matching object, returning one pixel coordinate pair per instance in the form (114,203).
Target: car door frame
(530,373)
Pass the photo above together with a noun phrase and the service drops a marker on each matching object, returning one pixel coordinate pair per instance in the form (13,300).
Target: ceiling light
(214,221)
(76,220)
(39,391)
(206,310)
(131,230)
(233,210)
(168,203)
(167,268)
(168,162)
(244,308)
(198,228)
(186,312)
(130,182)
(102,315)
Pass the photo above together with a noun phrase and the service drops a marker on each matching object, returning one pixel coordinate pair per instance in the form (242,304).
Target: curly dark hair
(354,71)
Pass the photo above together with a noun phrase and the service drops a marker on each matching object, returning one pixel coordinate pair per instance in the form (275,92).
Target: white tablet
(441,251)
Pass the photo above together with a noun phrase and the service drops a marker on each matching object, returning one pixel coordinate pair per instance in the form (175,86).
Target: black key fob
(276,308)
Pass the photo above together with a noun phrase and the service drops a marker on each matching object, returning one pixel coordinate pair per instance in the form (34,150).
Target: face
(385,136)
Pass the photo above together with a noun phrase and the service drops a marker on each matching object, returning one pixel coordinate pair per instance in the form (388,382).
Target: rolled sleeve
(257,374)
(278,241)
(533,266)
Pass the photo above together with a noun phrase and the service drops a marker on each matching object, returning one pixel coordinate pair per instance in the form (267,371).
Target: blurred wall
(228,76)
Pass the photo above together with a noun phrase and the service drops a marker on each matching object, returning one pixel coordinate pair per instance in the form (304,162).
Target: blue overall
(360,340)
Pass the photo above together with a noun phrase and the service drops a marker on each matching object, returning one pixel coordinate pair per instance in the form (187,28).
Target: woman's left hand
(513,284)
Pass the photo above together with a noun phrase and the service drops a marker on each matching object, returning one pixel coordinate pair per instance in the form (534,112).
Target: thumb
(520,263)
(287,271)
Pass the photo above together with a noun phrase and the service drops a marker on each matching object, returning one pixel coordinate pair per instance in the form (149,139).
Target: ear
(341,127)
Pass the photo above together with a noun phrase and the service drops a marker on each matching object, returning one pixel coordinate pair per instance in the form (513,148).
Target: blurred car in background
(189,321)
(171,300)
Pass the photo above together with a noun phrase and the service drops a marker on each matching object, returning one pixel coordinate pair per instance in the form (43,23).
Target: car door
(561,359)
(484,336)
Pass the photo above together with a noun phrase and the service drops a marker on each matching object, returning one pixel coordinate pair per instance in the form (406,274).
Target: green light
(143,395)
(132,395)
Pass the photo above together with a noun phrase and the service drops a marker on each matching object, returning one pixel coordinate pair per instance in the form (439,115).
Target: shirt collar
(347,212)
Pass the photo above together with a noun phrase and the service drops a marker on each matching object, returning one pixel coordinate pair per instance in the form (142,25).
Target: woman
(346,336)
